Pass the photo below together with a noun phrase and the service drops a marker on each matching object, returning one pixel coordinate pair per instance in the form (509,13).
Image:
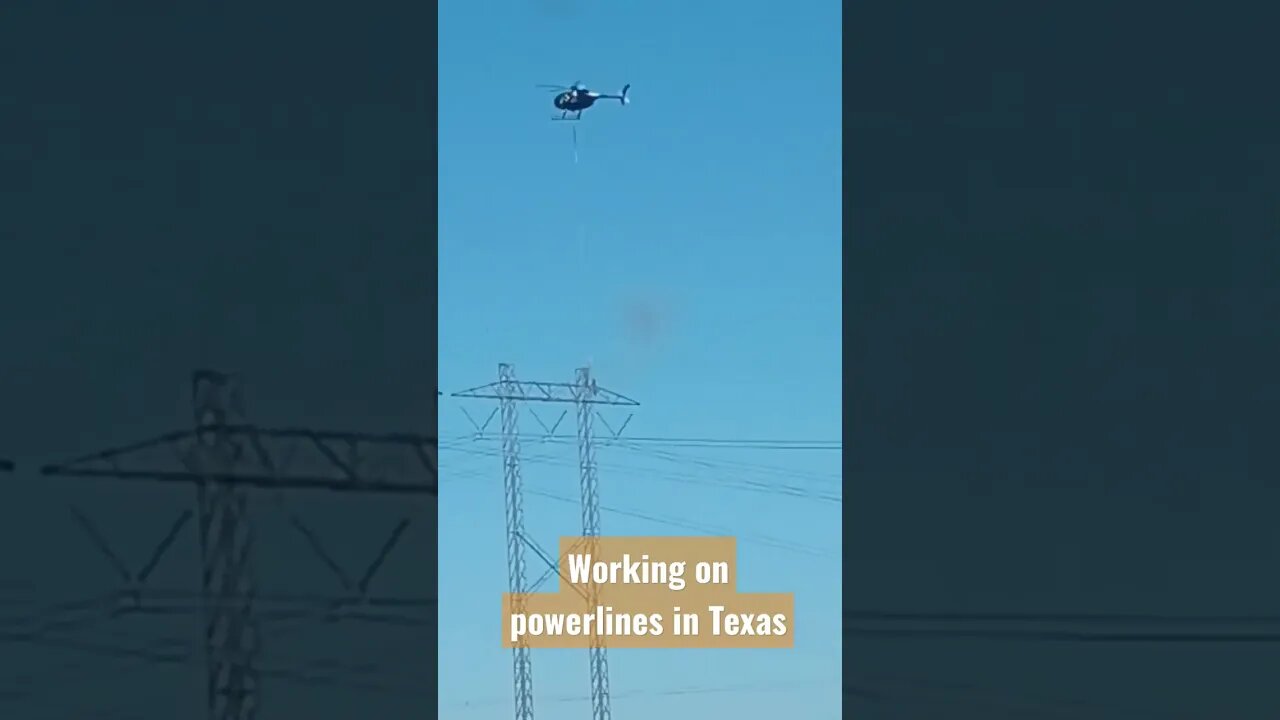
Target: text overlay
(648,592)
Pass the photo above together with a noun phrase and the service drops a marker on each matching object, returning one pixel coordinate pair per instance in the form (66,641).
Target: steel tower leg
(522,666)
(585,392)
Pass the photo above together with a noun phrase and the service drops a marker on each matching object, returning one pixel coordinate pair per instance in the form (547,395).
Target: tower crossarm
(525,390)
(274,458)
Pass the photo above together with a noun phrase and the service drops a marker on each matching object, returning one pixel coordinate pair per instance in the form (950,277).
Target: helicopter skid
(566,119)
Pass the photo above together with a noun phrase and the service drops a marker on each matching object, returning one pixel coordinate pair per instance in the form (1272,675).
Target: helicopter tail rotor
(623,97)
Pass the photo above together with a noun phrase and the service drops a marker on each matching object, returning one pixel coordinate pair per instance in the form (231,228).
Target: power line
(764,540)
(47,627)
(1120,627)
(741,444)
(740,483)
(880,688)
(666,520)
(1071,636)
(1061,618)
(727,443)
(777,487)
(173,651)
(674,692)
(787,481)
(675,522)
(827,478)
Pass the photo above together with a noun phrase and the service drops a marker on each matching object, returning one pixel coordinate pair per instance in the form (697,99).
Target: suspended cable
(1072,636)
(739,483)
(728,443)
(764,540)
(1061,618)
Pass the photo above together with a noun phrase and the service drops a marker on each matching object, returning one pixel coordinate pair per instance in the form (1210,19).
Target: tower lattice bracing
(522,665)
(585,395)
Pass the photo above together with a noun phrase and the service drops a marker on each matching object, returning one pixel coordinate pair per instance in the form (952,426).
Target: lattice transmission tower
(224,457)
(585,395)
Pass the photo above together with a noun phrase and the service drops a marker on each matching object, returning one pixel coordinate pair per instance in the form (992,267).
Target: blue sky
(691,256)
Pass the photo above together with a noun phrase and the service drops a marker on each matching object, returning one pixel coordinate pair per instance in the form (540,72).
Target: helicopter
(576,98)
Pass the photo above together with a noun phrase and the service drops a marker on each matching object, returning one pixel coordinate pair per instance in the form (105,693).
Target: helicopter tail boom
(620,97)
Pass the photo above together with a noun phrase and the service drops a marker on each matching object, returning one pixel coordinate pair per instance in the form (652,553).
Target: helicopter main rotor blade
(554,87)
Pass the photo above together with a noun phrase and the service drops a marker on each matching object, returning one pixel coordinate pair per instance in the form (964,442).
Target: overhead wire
(48,626)
(1071,636)
(667,692)
(1062,618)
(676,522)
(747,477)
(778,487)
(831,477)
(881,688)
(739,443)
(685,478)
(739,482)
(172,651)
(1117,628)
(758,539)
(669,521)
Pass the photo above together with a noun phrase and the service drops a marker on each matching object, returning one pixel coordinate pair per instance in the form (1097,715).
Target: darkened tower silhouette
(224,457)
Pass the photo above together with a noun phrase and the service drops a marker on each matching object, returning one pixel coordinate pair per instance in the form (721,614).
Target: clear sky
(691,255)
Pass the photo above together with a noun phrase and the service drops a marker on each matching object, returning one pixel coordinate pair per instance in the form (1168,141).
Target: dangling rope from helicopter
(576,184)
(576,98)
